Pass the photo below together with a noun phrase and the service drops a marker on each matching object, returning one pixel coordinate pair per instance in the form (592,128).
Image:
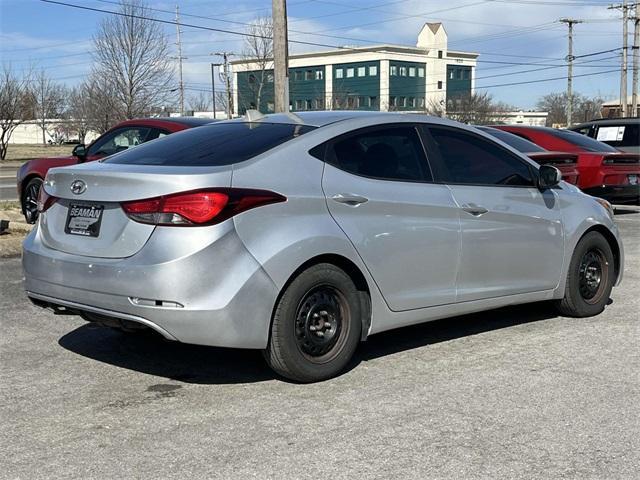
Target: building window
(270,77)
(393,70)
(439,53)
(298,104)
(270,107)
(421,102)
(252,78)
(421,72)
(392,101)
(373,70)
(451,74)
(362,71)
(319,74)
(319,104)
(339,73)
(412,102)
(350,72)
(352,101)
(309,75)
(308,105)
(403,71)
(459,75)
(402,101)
(466,74)
(439,84)
(298,75)
(412,71)
(373,102)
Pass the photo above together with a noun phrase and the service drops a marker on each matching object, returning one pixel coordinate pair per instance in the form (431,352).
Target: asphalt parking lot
(511,393)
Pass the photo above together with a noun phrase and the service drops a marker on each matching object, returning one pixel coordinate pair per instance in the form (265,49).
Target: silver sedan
(303,234)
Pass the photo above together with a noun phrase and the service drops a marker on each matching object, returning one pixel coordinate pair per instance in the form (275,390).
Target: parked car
(121,137)
(621,133)
(567,163)
(604,171)
(303,234)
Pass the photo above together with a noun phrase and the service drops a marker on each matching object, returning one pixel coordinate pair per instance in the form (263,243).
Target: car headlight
(607,206)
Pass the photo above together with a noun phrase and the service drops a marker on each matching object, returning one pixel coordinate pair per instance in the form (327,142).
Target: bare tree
(476,109)
(15,103)
(200,102)
(258,48)
(556,103)
(132,56)
(49,102)
(81,111)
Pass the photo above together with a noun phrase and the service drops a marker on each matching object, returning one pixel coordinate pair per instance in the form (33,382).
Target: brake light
(201,207)
(45,200)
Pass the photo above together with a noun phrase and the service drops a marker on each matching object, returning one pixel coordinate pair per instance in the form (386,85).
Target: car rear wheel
(316,325)
(30,200)
(590,278)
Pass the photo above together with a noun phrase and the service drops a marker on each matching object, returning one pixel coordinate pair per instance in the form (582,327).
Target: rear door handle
(350,199)
(473,209)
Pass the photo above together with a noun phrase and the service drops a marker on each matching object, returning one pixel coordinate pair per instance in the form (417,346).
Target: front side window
(212,145)
(468,159)
(119,140)
(386,153)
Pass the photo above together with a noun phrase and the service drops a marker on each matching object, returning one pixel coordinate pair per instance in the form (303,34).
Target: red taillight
(45,200)
(202,207)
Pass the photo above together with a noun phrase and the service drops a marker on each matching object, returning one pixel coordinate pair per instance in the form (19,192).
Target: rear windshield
(588,143)
(521,144)
(211,145)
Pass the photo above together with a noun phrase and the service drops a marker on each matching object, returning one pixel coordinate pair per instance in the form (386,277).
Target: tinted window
(390,154)
(119,140)
(212,145)
(519,143)
(468,159)
(620,135)
(588,143)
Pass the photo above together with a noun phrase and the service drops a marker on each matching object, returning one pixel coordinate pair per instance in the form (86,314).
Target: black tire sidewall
(23,200)
(296,365)
(588,242)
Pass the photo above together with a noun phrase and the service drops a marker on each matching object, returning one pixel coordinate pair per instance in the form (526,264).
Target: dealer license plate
(83,219)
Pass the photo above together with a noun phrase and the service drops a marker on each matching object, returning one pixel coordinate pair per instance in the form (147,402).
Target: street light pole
(213,87)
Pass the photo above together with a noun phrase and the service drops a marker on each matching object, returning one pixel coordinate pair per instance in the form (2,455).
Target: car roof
(188,121)
(609,121)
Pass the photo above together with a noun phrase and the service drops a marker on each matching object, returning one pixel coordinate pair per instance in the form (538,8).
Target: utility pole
(280,55)
(625,47)
(213,87)
(179,43)
(636,60)
(570,58)
(226,76)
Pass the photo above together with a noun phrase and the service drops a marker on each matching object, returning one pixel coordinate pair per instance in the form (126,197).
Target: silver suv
(303,234)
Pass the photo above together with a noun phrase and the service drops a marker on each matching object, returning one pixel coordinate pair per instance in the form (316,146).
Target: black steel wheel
(316,325)
(30,200)
(590,278)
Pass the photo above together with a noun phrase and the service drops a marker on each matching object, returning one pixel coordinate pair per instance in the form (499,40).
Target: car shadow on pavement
(149,353)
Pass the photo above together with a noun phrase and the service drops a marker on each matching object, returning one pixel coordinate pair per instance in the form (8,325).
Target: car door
(379,190)
(512,234)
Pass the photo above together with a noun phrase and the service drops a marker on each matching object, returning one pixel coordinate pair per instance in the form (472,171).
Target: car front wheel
(590,278)
(316,325)
(30,200)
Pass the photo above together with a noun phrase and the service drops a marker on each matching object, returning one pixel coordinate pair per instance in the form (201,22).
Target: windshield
(211,145)
(588,143)
(521,144)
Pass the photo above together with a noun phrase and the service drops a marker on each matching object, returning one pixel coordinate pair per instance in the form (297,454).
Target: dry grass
(21,152)
(11,242)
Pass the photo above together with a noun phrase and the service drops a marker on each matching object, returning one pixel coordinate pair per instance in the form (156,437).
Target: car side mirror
(80,151)
(548,177)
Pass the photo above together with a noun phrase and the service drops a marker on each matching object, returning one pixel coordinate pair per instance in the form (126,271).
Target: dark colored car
(621,133)
(121,137)
(567,163)
(605,172)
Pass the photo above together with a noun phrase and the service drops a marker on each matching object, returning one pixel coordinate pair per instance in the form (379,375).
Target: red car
(567,163)
(124,135)
(604,171)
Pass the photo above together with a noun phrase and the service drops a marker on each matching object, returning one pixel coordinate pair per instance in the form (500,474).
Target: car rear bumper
(616,194)
(215,294)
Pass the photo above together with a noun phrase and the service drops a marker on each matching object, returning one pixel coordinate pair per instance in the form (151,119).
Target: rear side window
(620,135)
(588,143)
(212,145)
(386,153)
(469,159)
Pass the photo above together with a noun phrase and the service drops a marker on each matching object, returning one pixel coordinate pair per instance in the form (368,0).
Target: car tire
(29,200)
(590,278)
(316,325)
